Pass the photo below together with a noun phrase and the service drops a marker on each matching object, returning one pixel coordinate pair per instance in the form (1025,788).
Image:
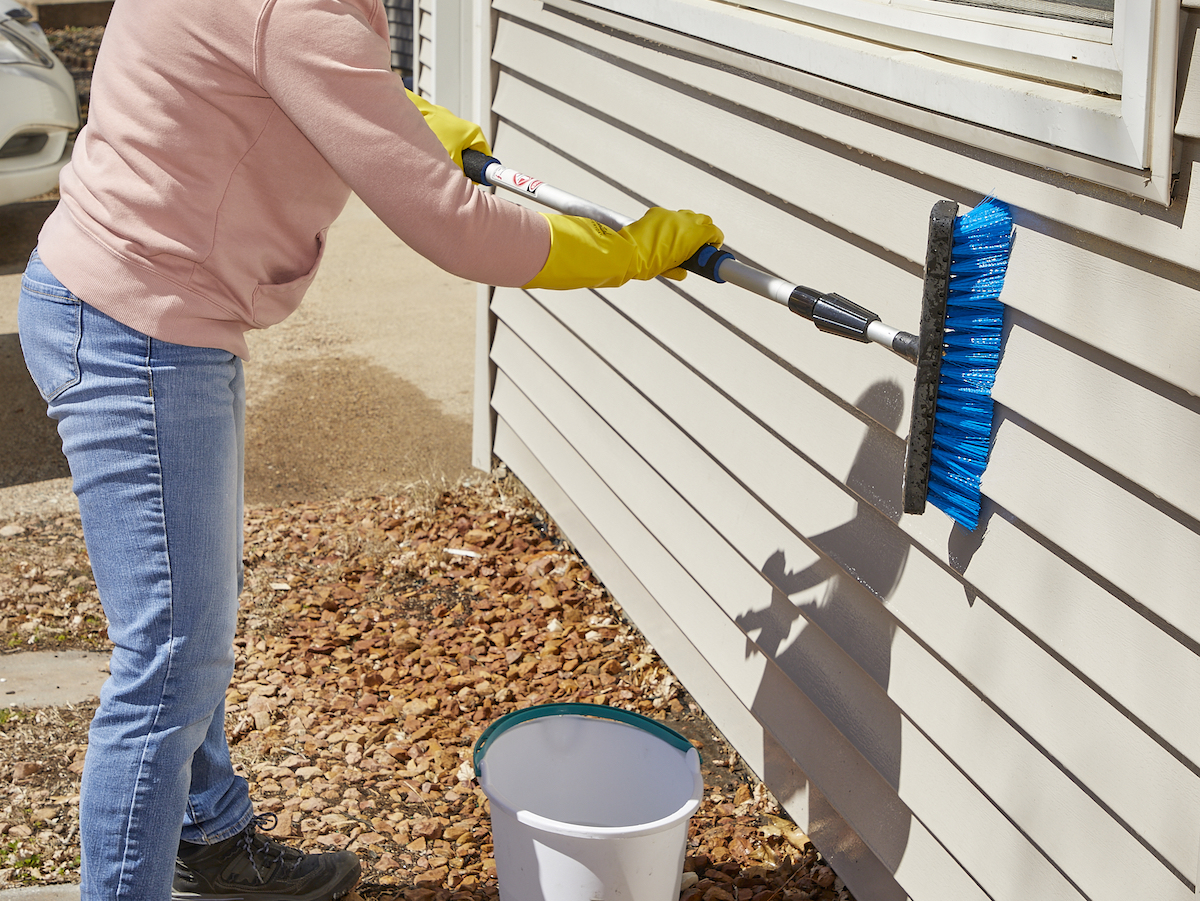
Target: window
(1080,86)
(1093,12)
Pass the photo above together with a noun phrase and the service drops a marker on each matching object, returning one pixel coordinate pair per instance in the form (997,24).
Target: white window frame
(1080,99)
(1058,51)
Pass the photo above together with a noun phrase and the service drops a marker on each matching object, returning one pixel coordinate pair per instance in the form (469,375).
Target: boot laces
(265,852)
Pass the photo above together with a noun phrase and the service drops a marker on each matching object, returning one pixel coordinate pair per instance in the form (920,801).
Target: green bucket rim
(596,711)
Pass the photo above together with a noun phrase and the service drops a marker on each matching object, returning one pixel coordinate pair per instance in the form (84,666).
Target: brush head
(929,355)
(951,434)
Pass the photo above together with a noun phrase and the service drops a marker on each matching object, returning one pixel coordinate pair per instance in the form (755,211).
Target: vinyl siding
(950,715)
(400,29)
(423,52)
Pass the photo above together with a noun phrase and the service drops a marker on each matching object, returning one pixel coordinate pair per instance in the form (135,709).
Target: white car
(39,108)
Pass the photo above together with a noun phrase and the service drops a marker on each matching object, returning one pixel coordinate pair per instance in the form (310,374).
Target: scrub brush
(957,351)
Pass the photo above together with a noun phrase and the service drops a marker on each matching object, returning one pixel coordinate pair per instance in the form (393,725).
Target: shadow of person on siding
(826,630)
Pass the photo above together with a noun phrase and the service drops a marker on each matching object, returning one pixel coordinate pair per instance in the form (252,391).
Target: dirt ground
(368,388)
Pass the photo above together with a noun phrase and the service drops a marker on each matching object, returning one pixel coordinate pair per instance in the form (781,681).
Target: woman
(223,139)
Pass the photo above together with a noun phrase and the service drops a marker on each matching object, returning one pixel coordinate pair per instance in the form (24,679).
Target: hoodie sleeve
(328,69)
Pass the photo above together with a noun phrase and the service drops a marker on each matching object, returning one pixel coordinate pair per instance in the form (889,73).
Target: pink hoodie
(225,137)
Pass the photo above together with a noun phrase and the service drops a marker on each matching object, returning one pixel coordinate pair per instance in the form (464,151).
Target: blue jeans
(154,435)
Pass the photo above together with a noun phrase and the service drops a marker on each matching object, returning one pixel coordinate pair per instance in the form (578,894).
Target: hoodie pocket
(274,303)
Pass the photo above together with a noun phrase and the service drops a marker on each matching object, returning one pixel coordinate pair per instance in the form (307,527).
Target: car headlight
(16,47)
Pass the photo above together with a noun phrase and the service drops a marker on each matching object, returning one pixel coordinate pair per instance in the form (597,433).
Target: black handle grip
(707,262)
(475,165)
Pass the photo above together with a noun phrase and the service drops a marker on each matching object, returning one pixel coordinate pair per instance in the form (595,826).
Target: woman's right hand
(586,254)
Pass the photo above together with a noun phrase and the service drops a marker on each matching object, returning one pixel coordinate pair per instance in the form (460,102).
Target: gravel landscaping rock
(378,638)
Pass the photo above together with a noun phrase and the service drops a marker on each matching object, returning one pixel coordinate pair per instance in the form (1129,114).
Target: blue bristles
(974,318)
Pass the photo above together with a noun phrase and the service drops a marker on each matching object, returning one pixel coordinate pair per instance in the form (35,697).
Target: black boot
(252,867)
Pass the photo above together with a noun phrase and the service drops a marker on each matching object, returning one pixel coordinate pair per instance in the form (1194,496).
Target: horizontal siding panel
(1140,428)
(1142,550)
(720,138)
(1115,648)
(1161,670)
(805,803)
(1138,315)
(747,460)
(778,92)
(1075,290)
(835,363)
(1032,689)
(865,799)
(753,531)
(842,198)
(946,628)
(1109,642)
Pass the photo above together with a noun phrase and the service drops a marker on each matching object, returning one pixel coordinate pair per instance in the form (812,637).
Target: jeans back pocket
(50,321)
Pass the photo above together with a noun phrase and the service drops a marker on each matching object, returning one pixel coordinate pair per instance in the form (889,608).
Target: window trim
(1066,53)
(1121,142)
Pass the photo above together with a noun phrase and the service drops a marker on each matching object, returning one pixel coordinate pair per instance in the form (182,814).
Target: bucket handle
(597,711)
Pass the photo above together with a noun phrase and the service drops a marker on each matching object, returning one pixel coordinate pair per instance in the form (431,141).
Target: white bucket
(588,803)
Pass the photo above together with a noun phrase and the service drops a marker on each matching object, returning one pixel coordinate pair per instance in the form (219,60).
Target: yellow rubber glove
(586,254)
(455,134)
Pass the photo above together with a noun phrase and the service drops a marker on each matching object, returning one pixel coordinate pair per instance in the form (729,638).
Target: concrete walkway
(42,893)
(51,678)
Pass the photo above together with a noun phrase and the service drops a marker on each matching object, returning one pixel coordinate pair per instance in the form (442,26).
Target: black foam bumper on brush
(929,355)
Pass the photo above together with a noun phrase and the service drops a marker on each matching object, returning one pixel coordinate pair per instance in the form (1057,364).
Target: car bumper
(37,103)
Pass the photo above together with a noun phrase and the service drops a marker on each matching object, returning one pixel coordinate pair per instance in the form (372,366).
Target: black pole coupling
(832,313)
